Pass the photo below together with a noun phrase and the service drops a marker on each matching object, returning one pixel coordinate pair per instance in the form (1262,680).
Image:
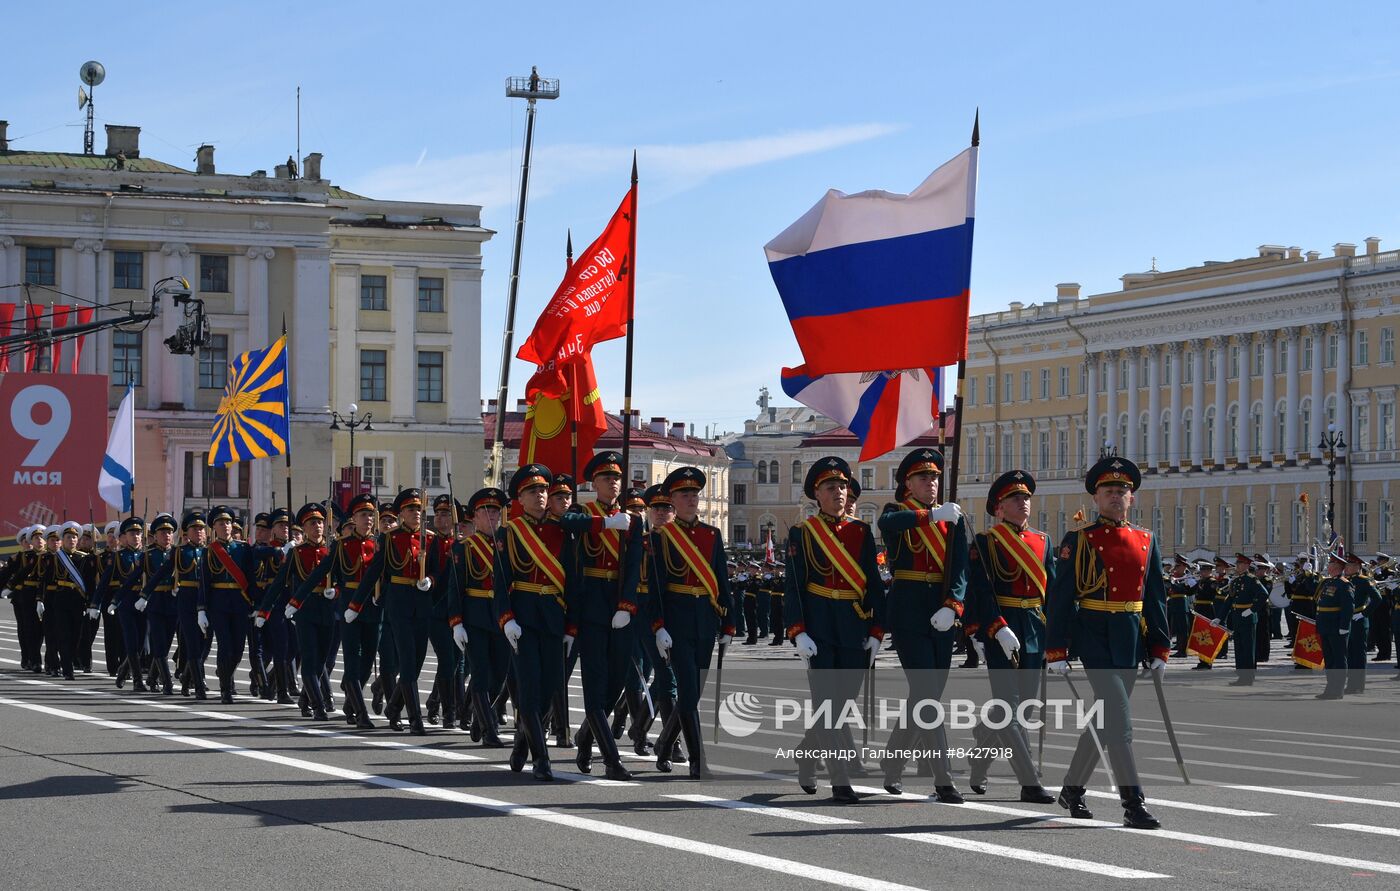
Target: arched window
(1122,440)
(1256,429)
(1142,440)
(1305,425)
(1232,430)
(773,471)
(1210,431)
(761,472)
(1331,404)
(1281,422)
(796,471)
(1165,426)
(1185,436)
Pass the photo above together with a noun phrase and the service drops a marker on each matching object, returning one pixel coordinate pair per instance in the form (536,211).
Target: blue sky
(1112,134)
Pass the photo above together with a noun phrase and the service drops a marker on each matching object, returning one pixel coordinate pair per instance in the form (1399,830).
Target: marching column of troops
(634,591)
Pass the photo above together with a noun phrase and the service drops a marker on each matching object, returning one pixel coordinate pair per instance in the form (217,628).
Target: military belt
(1018,602)
(910,575)
(65,583)
(832,593)
(1244,606)
(402,580)
(692,590)
(1329,609)
(482,593)
(610,575)
(1112,606)
(228,586)
(351,585)
(186,583)
(542,590)
(1176,596)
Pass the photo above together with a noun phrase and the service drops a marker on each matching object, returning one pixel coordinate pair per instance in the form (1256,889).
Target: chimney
(1295,253)
(4,136)
(1312,255)
(1343,249)
(658,426)
(281,172)
(635,419)
(311,166)
(124,140)
(1276,251)
(1066,292)
(490,405)
(750,427)
(521,405)
(1016,306)
(204,160)
(772,415)
(678,430)
(1373,246)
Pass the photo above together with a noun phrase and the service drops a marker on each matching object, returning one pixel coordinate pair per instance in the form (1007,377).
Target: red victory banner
(51,456)
(1207,639)
(562,399)
(1307,646)
(590,305)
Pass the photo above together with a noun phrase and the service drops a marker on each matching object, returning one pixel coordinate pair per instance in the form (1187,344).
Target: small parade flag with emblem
(118,473)
(884,409)
(878,280)
(1207,639)
(768,556)
(1307,646)
(252,418)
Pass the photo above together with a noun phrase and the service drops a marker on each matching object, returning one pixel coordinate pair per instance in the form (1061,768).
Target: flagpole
(952,474)
(631,266)
(131,394)
(573,387)
(287,376)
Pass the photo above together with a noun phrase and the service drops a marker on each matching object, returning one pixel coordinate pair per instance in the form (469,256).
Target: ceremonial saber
(1167,720)
(646,690)
(719,689)
(1040,744)
(1093,732)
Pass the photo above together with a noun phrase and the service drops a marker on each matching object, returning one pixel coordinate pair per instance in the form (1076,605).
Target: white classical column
(311,384)
(169,373)
(1198,401)
(1130,448)
(9,265)
(403,375)
(1340,380)
(88,251)
(259,325)
(1246,342)
(1091,395)
(1268,423)
(463,359)
(1319,422)
(345,296)
(1221,345)
(1154,405)
(1110,386)
(1291,397)
(1174,431)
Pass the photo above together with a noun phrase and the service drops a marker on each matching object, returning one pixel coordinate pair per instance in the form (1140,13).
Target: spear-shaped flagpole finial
(976,134)
(569,248)
(634,167)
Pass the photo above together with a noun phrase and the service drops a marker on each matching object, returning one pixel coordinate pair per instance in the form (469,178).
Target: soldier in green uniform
(926,546)
(659,512)
(1179,587)
(1334,609)
(386,681)
(313,610)
(1204,603)
(834,601)
(1108,590)
(1302,594)
(488,656)
(1364,594)
(1010,567)
(1246,592)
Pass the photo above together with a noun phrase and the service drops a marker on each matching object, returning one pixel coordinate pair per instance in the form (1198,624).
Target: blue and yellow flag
(251,421)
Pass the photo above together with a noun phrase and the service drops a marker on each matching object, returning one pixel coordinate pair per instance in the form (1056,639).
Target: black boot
(607,747)
(694,740)
(1135,816)
(304,703)
(486,719)
(394,710)
(284,685)
(559,719)
(123,673)
(433,703)
(449,709)
(376,689)
(670,732)
(539,751)
(583,746)
(619,720)
(642,719)
(327,699)
(138,682)
(1072,800)
(313,697)
(1036,795)
(225,690)
(520,749)
(355,704)
(415,714)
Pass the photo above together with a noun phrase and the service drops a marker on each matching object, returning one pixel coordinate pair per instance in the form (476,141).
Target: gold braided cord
(520,559)
(1088,575)
(815,560)
(1001,573)
(672,567)
(180,569)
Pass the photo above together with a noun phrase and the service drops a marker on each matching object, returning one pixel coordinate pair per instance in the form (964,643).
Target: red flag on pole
(590,305)
(558,394)
(84,314)
(7,315)
(1307,646)
(31,324)
(1207,639)
(60,319)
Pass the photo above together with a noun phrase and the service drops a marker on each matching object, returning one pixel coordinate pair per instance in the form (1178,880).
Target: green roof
(338,192)
(75,161)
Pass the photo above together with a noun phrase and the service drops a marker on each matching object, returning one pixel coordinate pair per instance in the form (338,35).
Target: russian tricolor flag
(884,409)
(876,280)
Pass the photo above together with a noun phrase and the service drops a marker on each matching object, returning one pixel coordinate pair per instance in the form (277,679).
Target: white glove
(6,593)
(943,619)
(259,621)
(1060,666)
(459,634)
(568,645)
(663,643)
(620,521)
(289,611)
(872,646)
(329,592)
(806,647)
(1158,665)
(423,584)
(1344,632)
(112,610)
(946,513)
(140,604)
(513,632)
(981,649)
(94,613)
(1007,638)
(725,640)
(1245,614)
(1190,583)
(350,615)
(286,548)
(39,608)
(621,618)
(203,622)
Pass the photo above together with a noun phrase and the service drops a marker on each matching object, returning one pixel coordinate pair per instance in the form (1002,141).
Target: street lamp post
(353,423)
(1331,443)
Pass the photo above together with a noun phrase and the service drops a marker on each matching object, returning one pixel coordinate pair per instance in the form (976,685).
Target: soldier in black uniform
(66,584)
(157,603)
(21,585)
(1364,594)
(118,589)
(1179,587)
(1334,610)
(1246,593)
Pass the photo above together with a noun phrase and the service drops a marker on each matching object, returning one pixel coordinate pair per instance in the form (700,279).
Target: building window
(1210,365)
(1165,449)
(1363,348)
(1025,386)
(867,478)
(1064,380)
(1202,525)
(972,391)
(429,377)
(1180,523)
(1060,527)
(773,472)
(1044,383)
(1258,358)
(1234,362)
(761,472)
(1007,454)
(213,273)
(1062,448)
(1227,524)
(1281,361)
(1025,450)
(1387,521)
(213,481)
(128,269)
(1332,350)
(1185,436)
(1270,521)
(213,363)
(1122,374)
(796,472)
(1361,530)
(126,358)
(430,473)
(39,266)
(1361,423)
(1281,432)
(741,533)
(1006,388)
(1307,360)
(991,389)
(1210,430)
(1305,425)
(1187,366)
(1142,438)
(1387,345)
(741,493)
(372,471)
(1044,451)
(1256,430)
(1232,430)
(972,453)
(1386,427)
(991,456)
(1083,447)
(429,294)
(374,292)
(1083,379)
(1167,368)
(374,375)
(1157,523)
(1299,512)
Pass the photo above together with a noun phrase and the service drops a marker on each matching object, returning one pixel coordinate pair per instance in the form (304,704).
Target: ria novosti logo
(740,714)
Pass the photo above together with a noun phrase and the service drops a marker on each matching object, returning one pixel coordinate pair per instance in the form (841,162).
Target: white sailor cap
(23,534)
(113,527)
(71,526)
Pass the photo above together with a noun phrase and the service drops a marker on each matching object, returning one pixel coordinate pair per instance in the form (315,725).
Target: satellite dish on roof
(92,73)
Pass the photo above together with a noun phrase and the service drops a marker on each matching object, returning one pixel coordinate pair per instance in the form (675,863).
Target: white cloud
(490,178)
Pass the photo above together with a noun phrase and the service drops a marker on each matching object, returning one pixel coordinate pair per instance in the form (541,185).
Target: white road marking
(1362,827)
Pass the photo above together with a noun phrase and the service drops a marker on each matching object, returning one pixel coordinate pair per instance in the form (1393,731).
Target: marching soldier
(157,602)
(411,567)
(386,681)
(659,512)
(689,608)
(442,629)
(1381,608)
(225,600)
(1179,605)
(183,568)
(66,584)
(118,589)
(113,638)
(278,646)
(1204,602)
(1334,610)
(531,588)
(835,600)
(1245,593)
(1108,588)
(1010,568)
(308,602)
(488,657)
(926,547)
(1364,594)
(1303,596)
(21,584)
(260,687)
